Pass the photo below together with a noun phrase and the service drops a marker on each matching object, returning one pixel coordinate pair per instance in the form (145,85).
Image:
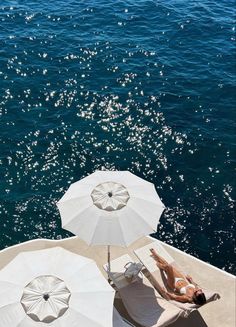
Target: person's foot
(154,254)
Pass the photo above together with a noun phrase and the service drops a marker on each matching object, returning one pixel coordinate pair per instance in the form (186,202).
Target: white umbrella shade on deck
(54,287)
(111,208)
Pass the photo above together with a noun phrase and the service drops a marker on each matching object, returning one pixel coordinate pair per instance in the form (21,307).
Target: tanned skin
(171,274)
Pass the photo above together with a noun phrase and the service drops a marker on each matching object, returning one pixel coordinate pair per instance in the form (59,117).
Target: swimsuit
(183,290)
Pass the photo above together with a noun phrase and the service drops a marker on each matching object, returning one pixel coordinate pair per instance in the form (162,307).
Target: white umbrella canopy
(111,208)
(56,288)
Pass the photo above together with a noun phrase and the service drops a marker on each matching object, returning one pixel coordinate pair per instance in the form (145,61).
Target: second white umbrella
(54,287)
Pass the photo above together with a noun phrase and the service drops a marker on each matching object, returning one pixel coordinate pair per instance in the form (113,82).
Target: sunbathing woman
(183,287)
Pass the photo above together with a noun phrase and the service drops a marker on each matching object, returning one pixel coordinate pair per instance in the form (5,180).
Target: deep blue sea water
(147,86)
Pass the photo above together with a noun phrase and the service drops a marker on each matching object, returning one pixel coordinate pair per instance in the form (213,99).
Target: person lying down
(183,288)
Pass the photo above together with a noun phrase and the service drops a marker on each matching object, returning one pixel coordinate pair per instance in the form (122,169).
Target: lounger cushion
(146,306)
(118,320)
(143,303)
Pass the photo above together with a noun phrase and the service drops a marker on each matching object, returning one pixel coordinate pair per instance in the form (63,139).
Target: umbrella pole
(109,262)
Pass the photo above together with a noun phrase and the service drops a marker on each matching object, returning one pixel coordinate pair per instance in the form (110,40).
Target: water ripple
(146,86)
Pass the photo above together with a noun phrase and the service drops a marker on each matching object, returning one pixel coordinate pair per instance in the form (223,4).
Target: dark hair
(199,298)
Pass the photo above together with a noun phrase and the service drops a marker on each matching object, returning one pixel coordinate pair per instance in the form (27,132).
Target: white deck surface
(220,313)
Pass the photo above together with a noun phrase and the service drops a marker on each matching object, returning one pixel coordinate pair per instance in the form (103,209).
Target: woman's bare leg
(158,258)
(170,271)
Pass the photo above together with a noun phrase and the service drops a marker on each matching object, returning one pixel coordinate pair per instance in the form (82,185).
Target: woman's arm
(189,278)
(179,298)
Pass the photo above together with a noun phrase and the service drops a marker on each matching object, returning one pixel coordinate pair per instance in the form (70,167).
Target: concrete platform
(221,313)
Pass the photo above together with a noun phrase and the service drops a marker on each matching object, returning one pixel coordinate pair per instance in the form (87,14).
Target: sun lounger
(158,278)
(142,302)
(119,321)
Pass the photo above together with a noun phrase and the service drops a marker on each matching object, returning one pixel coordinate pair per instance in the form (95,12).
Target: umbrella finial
(46,296)
(109,194)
